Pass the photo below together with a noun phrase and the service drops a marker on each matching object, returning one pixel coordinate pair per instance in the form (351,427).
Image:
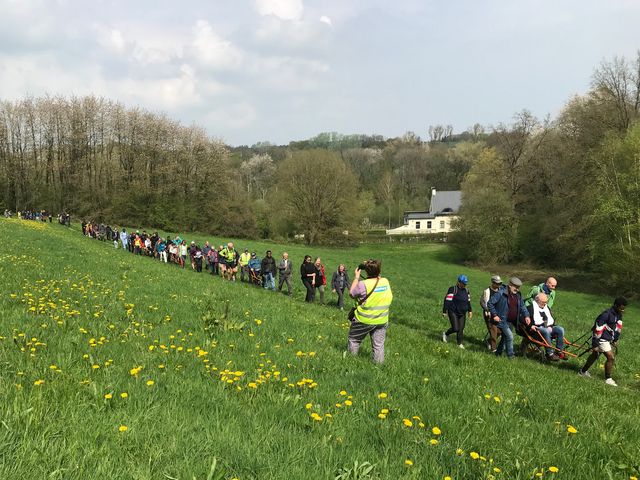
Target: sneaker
(444,337)
(611,381)
(461,346)
(584,374)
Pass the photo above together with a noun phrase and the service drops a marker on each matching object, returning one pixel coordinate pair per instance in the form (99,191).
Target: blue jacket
(498,305)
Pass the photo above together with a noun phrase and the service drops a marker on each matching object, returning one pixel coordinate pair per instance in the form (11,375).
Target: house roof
(446,202)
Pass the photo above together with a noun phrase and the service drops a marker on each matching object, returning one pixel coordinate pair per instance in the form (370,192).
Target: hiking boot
(444,337)
(611,381)
(584,374)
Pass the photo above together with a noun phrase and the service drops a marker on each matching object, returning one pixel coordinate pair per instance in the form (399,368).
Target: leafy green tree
(317,196)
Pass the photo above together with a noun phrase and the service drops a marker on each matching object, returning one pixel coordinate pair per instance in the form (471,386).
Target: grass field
(115,366)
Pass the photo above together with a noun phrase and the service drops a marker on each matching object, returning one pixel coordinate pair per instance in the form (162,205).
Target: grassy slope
(65,428)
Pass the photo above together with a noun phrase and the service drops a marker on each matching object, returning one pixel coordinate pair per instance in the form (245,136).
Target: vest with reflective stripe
(375,310)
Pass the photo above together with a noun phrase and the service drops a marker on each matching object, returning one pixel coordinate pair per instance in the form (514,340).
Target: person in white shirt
(543,326)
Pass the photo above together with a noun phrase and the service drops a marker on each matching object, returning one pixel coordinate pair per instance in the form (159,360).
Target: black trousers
(310,291)
(457,325)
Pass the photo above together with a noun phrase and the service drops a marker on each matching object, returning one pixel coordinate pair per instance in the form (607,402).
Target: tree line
(562,192)
(99,160)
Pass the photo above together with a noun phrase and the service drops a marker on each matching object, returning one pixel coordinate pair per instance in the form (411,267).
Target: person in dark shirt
(308,276)
(606,333)
(457,303)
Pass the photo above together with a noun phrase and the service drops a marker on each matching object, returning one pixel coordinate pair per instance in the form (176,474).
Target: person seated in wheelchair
(255,269)
(542,328)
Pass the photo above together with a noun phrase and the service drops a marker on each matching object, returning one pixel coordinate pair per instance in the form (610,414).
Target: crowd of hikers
(505,310)
(226,261)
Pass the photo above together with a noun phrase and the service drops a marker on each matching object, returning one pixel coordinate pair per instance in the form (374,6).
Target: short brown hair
(372,267)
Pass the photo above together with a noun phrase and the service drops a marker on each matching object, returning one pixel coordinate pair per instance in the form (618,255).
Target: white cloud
(327,20)
(237,116)
(283,9)
(212,50)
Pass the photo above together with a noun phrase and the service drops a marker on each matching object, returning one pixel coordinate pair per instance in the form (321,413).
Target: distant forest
(561,192)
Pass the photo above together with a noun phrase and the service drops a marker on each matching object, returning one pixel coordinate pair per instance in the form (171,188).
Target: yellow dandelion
(316,417)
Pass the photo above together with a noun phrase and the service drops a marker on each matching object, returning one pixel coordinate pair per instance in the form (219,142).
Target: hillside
(108,370)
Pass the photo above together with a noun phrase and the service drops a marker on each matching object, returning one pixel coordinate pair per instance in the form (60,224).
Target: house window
(417,225)
(429,225)
(441,224)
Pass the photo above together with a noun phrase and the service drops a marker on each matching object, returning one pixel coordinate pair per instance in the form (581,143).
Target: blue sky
(282,70)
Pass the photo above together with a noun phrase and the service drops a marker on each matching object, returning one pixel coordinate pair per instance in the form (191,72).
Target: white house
(443,209)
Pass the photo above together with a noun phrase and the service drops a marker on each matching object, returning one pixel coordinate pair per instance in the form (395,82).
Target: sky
(283,70)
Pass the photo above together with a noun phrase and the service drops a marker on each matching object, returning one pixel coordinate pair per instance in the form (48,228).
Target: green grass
(193,424)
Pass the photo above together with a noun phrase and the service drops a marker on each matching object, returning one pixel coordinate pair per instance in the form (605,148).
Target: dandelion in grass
(123,428)
(571,429)
(553,469)
(408,462)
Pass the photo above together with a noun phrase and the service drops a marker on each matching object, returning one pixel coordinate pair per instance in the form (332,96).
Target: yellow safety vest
(244,259)
(375,309)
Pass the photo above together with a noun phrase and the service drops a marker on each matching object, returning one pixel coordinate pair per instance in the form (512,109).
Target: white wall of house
(439,224)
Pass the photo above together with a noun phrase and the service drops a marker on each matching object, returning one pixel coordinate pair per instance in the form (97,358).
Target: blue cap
(463,279)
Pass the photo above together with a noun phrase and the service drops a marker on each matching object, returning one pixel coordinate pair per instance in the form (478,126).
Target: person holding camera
(371,315)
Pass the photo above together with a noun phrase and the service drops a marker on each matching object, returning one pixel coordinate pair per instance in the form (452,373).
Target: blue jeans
(269,281)
(506,339)
(547,333)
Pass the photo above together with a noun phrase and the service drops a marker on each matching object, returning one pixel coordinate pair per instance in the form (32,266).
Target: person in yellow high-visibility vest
(371,316)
